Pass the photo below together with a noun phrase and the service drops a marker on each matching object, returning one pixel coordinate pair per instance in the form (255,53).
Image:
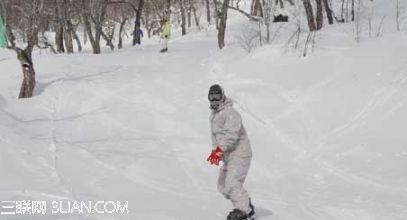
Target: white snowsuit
(229,134)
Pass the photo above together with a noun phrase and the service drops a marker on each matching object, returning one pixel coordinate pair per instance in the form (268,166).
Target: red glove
(215,156)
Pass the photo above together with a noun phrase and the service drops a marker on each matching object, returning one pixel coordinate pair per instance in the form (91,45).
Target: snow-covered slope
(327,130)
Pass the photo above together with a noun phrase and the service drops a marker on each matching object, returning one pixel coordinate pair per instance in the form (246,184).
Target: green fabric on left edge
(3,41)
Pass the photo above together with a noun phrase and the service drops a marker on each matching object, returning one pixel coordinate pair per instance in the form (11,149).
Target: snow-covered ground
(327,130)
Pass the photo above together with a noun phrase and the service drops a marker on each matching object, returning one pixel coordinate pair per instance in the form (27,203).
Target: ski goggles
(215,97)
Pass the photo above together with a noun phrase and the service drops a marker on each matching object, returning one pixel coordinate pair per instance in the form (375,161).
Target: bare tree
(247,39)
(328,11)
(193,9)
(167,12)
(152,16)
(120,44)
(256,8)
(342,10)
(189,14)
(137,23)
(183,19)
(65,23)
(217,12)
(268,13)
(353,11)
(380,27)
(208,11)
(59,32)
(310,15)
(222,24)
(370,18)
(358,19)
(86,17)
(320,15)
(27,17)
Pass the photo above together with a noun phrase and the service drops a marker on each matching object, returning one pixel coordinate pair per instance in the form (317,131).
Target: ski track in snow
(378,99)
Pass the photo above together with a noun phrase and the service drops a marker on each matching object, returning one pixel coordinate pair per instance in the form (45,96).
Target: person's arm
(227,133)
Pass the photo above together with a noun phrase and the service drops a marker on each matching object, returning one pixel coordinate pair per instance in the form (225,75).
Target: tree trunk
(25,56)
(88,27)
(342,10)
(310,15)
(168,10)
(75,36)
(59,38)
(59,33)
(189,13)
(183,19)
(208,12)
(267,6)
(98,18)
(120,44)
(320,15)
(353,10)
(65,20)
(28,84)
(108,39)
(257,9)
(347,11)
(281,3)
(328,12)
(137,24)
(68,40)
(25,59)
(217,14)
(98,22)
(222,24)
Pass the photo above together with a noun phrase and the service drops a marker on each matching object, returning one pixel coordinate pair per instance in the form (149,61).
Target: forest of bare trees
(101,23)
(26,23)
(97,19)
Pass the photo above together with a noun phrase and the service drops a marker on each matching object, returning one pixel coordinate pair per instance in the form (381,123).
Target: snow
(327,130)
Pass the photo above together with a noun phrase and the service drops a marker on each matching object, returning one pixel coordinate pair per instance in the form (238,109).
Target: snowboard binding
(237,214)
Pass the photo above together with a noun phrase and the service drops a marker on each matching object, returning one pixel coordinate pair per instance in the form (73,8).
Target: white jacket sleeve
(228,133)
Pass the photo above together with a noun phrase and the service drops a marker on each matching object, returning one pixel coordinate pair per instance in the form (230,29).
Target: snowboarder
(138,34)
(232,146)
(165,35)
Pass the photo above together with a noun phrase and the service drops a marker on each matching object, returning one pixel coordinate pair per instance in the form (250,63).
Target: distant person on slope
(138,34)
(231,145)
(165,35)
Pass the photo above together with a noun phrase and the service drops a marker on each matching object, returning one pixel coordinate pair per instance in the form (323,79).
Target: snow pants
(231,179)
(164,43)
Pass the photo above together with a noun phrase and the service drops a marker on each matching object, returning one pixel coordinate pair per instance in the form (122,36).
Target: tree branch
(251,17)
(124,2)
